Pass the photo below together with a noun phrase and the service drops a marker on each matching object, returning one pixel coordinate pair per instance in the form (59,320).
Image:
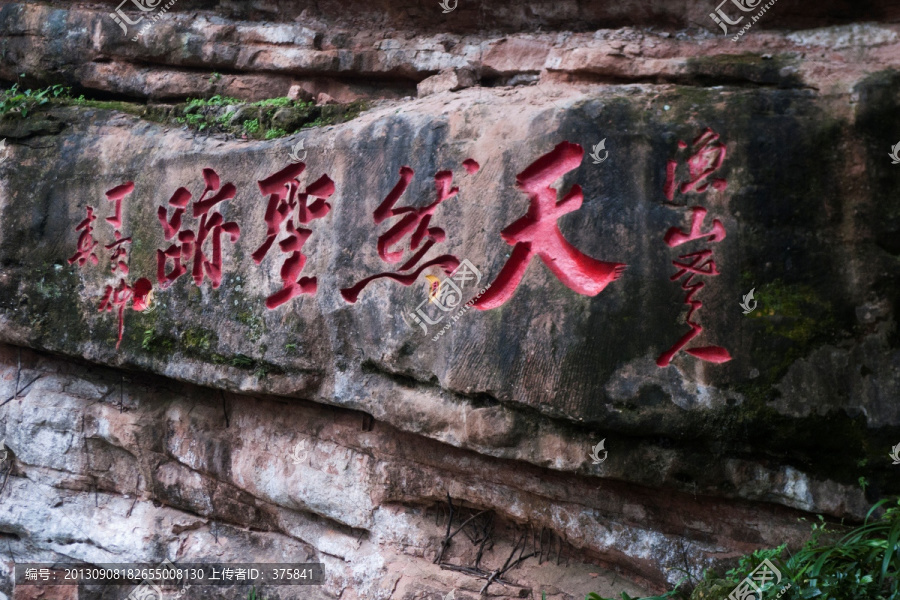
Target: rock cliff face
(355,425)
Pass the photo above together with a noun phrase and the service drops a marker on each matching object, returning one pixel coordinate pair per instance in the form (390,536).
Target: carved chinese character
(119,255)
(120,296)
(139,295)
(413,224)
(211,227)
(701,165)
(537,233)
(86,242)
(286,204)
(676,237)
(694,264)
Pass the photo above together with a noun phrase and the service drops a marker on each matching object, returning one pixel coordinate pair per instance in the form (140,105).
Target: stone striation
(112,467)
(200,53)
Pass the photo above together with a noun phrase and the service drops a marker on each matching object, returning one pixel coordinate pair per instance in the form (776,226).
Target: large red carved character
(537,233)
(191,245)
(284,200)
(415,225)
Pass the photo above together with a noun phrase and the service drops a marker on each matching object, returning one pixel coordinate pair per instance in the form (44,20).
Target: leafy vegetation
(23,102)
(251,126)
(241,360)
(196,103)
(269,119)
(155,344)
(282,101)
(862,563)
(194,119)
(670,594)
(146,339)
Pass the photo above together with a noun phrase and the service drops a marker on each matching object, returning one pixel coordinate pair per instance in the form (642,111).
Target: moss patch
(747,67)
(795,312)
(270,118)
(254,322)
(265,119)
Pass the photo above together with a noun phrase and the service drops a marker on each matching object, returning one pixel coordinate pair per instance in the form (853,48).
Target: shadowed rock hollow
(323,430)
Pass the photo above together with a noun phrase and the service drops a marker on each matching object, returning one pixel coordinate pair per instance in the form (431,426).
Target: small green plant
(217,100)
(861,564)
(147,339)
(150,342)
(863,483)
(319,122)
(292,347)
(251,126)
(196,339)
(215,78)
(275,132)
(194,120)
(283,101)
(242,361)
(667,596)
(14,100)
(253,595)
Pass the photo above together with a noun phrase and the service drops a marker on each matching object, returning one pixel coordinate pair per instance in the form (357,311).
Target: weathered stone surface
(349,63)
(324,98)
(151,468)
(181,443)
(297,92)
(449,80)
(562,381)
